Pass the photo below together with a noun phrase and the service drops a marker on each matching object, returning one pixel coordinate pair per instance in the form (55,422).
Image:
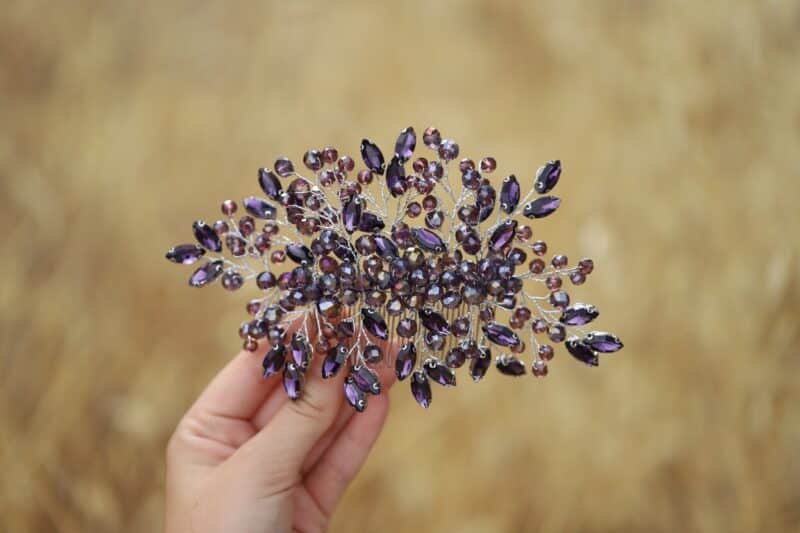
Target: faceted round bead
(524,233)
(553,282)
(556,333)
(522,313)
(539,368)
(539,248)
(266,280)
(327,178)
(460,326)
(539,325)
(434,219)
(221,227)
(329,155)
(545,352)
(577,278)
(372,354)
(346,164)
(232,280)
(536,266)
(364,177)
(432,138)
(434,171)
(313,160)
(429,203)
(247,225)
(250,344)
(466,164)
(228,207)
(253,307)
(486,314)
(284,167)
(262,243)
(559,299)
(278,256)
(414,209)
(471,179)
(419,165)
(448,150)
(559,261)
(488,164)
(586,266)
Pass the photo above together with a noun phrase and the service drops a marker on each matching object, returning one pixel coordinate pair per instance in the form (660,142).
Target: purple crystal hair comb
(399,250)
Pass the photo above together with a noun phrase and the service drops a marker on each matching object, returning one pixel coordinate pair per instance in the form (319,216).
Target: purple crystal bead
(433,321)
(259,208)
(579,314)
(273,361)
(301,351)
(370,223)
(206,274)
(603,342)
(284,167)
(501,335)
(448,150)
(385,247)
(541,207)
(366,380)
(421,389)
(334,360)
(351,214)
(206,236)
(406,142)
(503,234)
(270,184)
(374,323)
(372,353)
(455,357)
(354,395)
(300,254)
(547,177)
(372,156)
(428,240)
(581,351)
(510,365)
(405,361)
(509,194)
(292,381)
(185,254)
(439,373)
(480,364)
(396,177)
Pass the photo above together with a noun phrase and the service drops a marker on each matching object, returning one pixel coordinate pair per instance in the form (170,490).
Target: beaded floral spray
(400,250)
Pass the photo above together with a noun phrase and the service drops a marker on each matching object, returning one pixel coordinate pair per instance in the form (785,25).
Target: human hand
(245,458)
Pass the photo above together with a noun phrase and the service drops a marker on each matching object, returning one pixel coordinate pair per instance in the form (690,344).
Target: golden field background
(679,128)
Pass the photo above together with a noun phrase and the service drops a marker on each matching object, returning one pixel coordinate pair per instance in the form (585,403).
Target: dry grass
(679,127)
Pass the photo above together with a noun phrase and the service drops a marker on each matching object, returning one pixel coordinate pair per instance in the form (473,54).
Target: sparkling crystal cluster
(417,250)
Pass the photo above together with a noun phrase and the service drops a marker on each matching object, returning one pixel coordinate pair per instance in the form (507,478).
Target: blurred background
(678,125)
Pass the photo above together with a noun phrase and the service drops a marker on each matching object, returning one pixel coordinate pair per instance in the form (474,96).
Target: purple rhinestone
(354,395)
(232,280)
(500,334)
(603,342)
(541,207)
(185,254)
(556,332)
(266,280)
(370,223)
(292,381)
(259,208)
(581,351)
(351,214)
(407,328)
(374,323)
(313,160)
(270,184)
(334,360)
(510,365)
(440,373)
(559,299)
(434,219)
(433,321)
(547,177)
(385,247)
(406,142)
(405,361)
(372,353)
(301,351)
(509,194)
(471,179)
(396,177)
(206,274)
(372,155)
(480,364)
(578,314)
(432,138)
(455,357)
(284,167)
(421,389)
(448,150)
(366,380)
(428,240)
(273,361)
(503,234)
(300,254)
(206,236)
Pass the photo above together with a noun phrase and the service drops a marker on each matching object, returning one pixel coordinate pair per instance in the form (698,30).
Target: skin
(246,459)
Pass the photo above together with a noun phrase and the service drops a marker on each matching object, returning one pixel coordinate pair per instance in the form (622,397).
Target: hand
(245,458)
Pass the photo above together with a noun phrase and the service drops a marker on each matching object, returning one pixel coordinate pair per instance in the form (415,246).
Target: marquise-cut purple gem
(439,373)
(260,208)
(503,234)
(578,314)
(344,252)
(370,222)
(509,194)
(355,396)
(480,364)
(406,142)
(434,321)
(547,177)
(485,212)
(292,381)
(367,380)
(206,236)
(510,365)
(300,254)
(428,240)
(206,274)
(396,177)
(405,361)
(421,389)
(500,334)
(385,247)
(603,342)
(372,156)
(270,184)
(273,361)
(374,323)
(334,360)
(301,351)
(351,214)
(185,254)
(541,207)
(581,351)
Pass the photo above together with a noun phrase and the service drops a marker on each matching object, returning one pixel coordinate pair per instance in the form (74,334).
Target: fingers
(329,478)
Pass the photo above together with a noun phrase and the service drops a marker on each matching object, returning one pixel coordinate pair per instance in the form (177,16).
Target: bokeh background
(679,127)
